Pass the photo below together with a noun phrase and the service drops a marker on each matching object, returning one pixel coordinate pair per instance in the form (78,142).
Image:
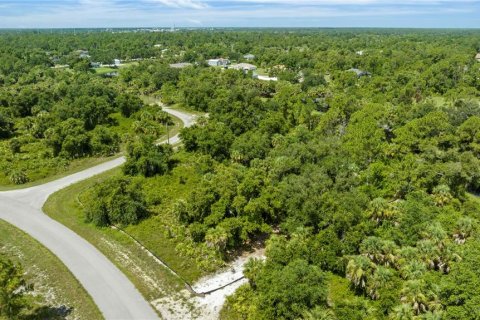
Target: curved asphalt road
(114,294)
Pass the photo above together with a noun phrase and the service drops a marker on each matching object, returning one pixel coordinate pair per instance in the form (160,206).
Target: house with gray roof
(220,62)
(243,66)
(360,73)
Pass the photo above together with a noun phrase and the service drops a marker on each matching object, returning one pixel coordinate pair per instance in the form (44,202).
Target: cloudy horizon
(239,13)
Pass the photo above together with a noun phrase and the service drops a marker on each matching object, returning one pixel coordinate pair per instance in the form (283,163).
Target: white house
(83,54)
(249,57)
(477,57)
(117,62)
(218,62)
(265,78)
(244,67)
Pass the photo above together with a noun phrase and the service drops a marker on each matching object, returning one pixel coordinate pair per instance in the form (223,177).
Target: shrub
(14,145)
(104,142)
(19,177)
(147,159)
(117,201)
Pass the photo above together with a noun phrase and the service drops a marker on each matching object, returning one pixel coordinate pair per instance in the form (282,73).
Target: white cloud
(345,2)
(144,13)
(190,4)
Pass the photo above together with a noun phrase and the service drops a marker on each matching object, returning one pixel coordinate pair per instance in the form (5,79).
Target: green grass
(65,206)
(151,279)
(104,70)
(156,232)
(47,273)
(41,170)
(262,72)
(123,124)
(44,175)
(178,106)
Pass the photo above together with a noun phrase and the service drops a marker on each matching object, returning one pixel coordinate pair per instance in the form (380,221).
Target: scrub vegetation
(359,165)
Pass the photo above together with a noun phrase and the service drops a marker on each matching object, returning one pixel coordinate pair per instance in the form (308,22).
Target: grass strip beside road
(74,167)
(50,277)
(152,280)
(78,165)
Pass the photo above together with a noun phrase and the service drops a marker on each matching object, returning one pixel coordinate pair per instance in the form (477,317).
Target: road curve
(114,294)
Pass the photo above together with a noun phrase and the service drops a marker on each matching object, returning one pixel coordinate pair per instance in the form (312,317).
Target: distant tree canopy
(360,163)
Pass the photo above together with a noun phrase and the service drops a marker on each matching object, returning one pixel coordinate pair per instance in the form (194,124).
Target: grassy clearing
(178,106)
(155,232)
(158,233)
(104,70)
(261,72)
(41,170)
(47,174)
(152,280)
(122,124)
(49,275)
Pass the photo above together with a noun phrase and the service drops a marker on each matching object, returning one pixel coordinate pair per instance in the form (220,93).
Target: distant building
(157,46)
(180,65)
(117,62)
(95,64)
(249,57)
(111,74)
(279,67)
(360,73)
(243,66)
(265,78)
(218,62)
(477,57)
(360,53)
(83,54)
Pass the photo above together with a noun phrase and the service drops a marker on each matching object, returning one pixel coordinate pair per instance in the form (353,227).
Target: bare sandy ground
(186,306)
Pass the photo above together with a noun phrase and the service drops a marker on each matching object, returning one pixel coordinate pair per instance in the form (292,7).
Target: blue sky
(240,13)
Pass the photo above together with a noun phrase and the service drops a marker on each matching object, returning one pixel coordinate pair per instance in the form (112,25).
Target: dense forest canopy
(364,182)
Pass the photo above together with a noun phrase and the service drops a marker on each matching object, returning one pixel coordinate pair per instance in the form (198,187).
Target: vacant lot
(51,279)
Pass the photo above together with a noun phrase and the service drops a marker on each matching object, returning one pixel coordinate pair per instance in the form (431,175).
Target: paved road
(114,294)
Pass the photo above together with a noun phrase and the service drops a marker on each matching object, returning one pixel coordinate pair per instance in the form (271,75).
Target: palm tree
(379,251)
(441,195)
(413,270)
(405,255)
(371,247)
(434,315)
(237,156)
(464,230)
(380,210)
(380,278)
(359,268)
(402,312)
(429,253)
(389,248)
(319,314)
(436,250)
(419,297)
(436,233)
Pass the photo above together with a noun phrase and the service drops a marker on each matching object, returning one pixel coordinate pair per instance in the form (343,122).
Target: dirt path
(186,306)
